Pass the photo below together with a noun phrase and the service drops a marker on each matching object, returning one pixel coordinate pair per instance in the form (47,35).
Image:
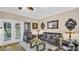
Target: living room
(39,28)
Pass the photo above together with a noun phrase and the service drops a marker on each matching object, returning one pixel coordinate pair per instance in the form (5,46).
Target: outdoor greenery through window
(7,31)
(18,30)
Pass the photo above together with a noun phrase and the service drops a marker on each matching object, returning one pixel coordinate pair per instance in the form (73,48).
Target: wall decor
(34,25)
(70,24)
(42,25)
(53,24)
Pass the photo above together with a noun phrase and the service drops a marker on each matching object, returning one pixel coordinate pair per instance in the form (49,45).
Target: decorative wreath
(70,24)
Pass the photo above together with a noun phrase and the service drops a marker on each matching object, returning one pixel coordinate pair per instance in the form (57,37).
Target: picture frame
(53,24)
(34,25)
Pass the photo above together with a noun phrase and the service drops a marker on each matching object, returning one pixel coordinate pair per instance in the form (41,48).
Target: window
(18,30)
(7,31)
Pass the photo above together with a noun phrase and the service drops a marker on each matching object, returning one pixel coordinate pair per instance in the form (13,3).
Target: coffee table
(40,45)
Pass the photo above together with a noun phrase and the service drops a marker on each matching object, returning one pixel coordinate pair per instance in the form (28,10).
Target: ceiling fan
(30,8)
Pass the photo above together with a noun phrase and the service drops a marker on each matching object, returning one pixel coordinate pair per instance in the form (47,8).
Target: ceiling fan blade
(30,8)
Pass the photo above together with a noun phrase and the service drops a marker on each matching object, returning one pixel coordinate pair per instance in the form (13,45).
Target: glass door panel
(7,31)
(18,30)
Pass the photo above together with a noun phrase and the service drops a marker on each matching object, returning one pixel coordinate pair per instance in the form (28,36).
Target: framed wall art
(53,24)
(34,25)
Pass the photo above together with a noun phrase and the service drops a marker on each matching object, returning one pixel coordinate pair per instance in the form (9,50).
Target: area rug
(12,47)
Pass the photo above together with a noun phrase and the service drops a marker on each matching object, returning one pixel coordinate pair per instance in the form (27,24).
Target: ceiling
(38,12)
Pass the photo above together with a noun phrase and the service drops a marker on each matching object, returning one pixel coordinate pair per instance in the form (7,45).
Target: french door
(11,30)
(17,30)
(7,31)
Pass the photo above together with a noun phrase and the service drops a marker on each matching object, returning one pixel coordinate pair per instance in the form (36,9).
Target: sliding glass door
(7,31)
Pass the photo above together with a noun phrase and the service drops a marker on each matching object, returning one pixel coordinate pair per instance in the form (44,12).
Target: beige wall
(9,16)
(63,17)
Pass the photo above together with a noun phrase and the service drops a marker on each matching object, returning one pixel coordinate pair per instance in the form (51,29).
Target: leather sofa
(51,38)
